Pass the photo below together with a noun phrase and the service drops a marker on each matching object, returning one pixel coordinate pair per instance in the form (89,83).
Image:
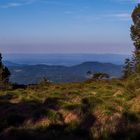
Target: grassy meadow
(102,109)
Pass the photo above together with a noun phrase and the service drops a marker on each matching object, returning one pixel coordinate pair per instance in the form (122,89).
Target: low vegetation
(105,109)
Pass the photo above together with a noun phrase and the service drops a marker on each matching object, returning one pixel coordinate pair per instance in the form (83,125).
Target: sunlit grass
(70,107)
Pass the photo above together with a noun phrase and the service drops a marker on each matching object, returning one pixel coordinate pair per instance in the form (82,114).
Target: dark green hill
(30,74)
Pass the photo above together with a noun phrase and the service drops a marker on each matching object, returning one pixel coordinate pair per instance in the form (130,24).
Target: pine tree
(4,73)
(128,68)
(1,68)
(0,59)
(135,35)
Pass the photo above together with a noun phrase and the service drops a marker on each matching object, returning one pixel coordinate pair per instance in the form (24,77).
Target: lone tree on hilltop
(4,73)
(100,76)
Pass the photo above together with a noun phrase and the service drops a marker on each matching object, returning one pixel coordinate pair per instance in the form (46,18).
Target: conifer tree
(135,35)
(4,73)
(128,68)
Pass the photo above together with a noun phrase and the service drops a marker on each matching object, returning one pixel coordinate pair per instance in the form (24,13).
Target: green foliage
(128,68)
(135,35)
(100,76)
(4,74)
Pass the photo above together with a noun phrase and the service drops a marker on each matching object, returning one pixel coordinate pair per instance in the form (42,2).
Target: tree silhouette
(100,76)
(128,68)
(135,35)
(4,73)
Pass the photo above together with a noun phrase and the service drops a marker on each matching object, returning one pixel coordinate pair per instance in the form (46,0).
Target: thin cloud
(17,4)
(120,16)
(109,17)
(10,5)
(126,1)
(28,2)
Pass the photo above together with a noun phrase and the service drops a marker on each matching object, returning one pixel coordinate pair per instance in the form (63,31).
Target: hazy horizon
(48,53)
(64,59)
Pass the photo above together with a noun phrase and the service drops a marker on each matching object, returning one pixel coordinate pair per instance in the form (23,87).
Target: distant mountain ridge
(9,63)
(32,74)
(64,59)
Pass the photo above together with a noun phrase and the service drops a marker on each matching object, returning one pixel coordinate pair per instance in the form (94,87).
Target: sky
(66,26)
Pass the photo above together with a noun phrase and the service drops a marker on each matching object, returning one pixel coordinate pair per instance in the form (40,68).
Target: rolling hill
(32,74)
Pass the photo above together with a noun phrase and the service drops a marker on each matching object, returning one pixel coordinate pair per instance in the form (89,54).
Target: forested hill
(31,74)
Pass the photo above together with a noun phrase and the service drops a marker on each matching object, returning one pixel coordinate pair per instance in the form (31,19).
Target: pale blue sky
(66,26)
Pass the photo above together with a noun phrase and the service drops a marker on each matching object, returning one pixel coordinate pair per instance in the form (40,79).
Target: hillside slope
(89,110)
